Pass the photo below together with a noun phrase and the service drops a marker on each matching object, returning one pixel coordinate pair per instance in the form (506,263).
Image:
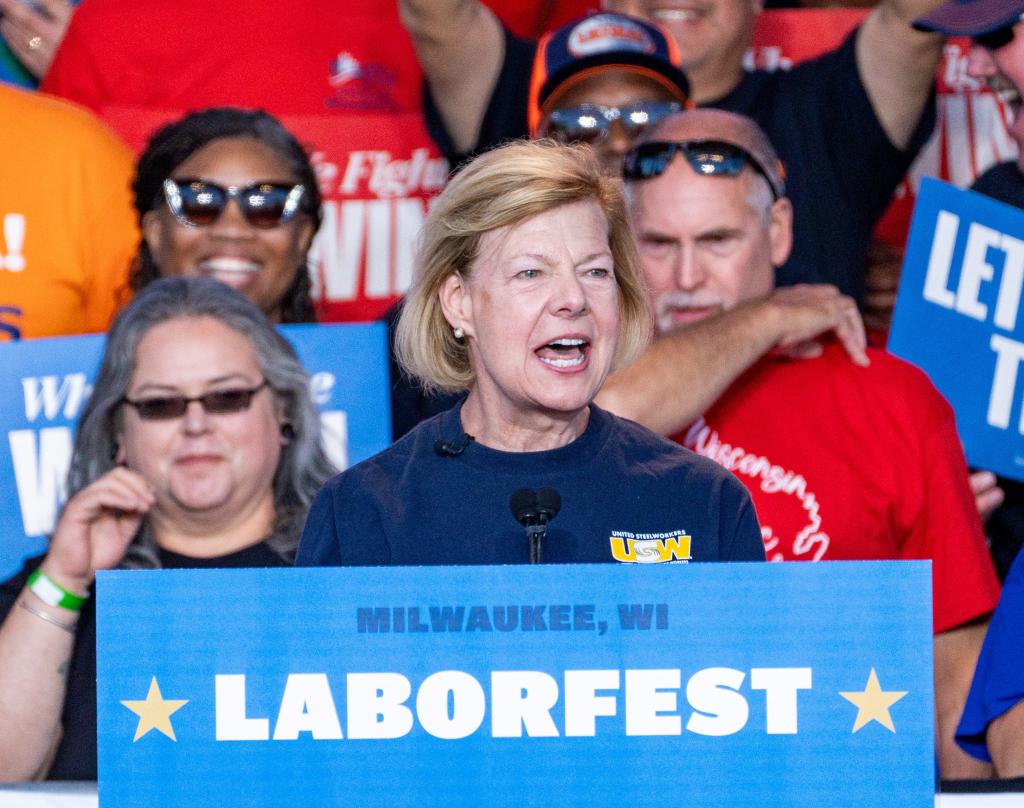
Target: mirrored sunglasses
(707,157)
(591,123)
(216,402)
(197,203)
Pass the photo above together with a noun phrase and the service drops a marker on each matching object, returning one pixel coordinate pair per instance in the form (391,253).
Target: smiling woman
(527,295)
(199,447)
(229,194)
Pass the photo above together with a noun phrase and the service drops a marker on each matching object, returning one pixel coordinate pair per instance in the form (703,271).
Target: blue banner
(598,685)
(958,317)
(46,382)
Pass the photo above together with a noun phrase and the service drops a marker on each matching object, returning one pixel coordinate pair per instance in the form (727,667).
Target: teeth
(568,343)
(675,15)
(563,363)
(226,264)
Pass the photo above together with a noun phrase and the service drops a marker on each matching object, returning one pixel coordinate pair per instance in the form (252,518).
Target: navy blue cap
(971,17)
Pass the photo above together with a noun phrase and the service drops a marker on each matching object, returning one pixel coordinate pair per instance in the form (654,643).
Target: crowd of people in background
(682,253)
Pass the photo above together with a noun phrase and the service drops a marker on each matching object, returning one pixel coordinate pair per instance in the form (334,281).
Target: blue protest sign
(598,685)
(958,317)
(46,383)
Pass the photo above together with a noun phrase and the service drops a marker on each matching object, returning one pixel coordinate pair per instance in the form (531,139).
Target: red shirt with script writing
(850,463)
(342,76)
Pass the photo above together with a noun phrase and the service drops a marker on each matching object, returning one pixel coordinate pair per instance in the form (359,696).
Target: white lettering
(583,705)
(40,476)
(42,394)
(376,705)
(231,722)
(975,270)
(468,705)
(1011,283)
(650,694)
(334,437)
(780,686)
(523,700)
(307,706)
(1009,354)
(720,708)
(936,279)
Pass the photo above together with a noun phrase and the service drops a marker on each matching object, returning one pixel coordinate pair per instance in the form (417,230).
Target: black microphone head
(549,503)
(523,503)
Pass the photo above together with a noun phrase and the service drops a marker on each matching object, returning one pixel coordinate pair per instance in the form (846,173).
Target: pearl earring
(459,333)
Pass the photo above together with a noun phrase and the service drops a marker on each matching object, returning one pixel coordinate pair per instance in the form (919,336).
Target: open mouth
(564,352)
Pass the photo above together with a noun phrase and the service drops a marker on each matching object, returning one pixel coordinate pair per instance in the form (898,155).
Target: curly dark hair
(177,141)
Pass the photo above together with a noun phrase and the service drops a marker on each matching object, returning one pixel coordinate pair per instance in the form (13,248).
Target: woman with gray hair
(199,447)
(528,294)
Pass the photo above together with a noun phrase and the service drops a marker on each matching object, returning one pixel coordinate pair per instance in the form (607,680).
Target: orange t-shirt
(67,226)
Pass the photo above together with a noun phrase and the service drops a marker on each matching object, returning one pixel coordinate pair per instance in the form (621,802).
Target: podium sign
(958,317)
(595,685)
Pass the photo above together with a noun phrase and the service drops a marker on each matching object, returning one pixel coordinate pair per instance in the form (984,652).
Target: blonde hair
(503,187)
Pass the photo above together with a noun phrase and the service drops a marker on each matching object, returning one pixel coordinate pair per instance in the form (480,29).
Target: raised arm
(680,375)
(37,638)
(461,47)
(897,65)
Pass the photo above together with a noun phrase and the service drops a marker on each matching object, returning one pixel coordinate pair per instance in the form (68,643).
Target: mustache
(667,302)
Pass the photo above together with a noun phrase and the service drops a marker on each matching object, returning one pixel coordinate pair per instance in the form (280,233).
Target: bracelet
(28,607)
(52,593)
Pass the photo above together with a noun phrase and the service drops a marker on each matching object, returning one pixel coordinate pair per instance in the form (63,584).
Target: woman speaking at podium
(527,295)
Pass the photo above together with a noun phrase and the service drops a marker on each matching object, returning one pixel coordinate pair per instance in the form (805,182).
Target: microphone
(533,510)
(452,448)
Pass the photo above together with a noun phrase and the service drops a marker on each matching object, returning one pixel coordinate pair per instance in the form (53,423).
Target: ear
(456,303)
(306,234)
(780,231)
(152,232)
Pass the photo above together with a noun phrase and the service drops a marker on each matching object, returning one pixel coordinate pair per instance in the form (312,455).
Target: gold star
(873,703)
(155,712)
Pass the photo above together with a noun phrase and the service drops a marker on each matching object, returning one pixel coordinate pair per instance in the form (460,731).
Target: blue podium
(596,685)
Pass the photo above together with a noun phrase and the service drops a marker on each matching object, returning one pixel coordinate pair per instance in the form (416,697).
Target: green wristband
(49,591)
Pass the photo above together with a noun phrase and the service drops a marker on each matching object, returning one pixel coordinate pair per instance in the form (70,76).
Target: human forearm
(682,374)
(956,655)
(460,46)
(34,657)
(678,377)
(897,65)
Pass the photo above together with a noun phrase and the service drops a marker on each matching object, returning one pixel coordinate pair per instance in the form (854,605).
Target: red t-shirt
(342,76)
(850,463)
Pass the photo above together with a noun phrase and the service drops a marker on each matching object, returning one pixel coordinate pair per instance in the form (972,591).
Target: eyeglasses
(994,40)
(216,402)
(197,203)
(707,157)
(591,123)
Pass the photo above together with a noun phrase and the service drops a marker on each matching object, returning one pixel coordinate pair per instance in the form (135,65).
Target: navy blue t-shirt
(627,494)
(841,167)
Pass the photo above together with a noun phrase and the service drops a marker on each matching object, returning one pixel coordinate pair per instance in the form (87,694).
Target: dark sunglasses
(217,402)
(197,203)
(994,40)
(591,123)
(707,157)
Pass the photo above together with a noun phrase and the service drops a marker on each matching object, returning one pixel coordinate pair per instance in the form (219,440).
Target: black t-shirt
(1005,183)
(76,754)
(841,167)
